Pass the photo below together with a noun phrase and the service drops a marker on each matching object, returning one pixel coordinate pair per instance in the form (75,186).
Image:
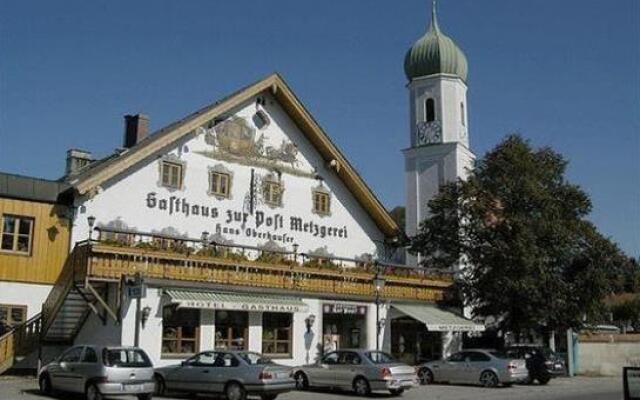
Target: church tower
(439,151)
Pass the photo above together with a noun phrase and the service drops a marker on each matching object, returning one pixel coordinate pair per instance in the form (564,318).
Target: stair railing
(20,341)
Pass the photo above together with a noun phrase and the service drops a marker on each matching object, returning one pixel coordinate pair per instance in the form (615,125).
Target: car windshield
(379,357)
(125,358)
(254,358)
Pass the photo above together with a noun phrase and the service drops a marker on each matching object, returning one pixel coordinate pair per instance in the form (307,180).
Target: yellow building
(34,244)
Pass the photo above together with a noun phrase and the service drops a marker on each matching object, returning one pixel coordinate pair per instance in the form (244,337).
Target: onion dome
(435,53)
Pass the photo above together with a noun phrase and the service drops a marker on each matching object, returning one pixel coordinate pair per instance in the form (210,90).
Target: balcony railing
(124,252)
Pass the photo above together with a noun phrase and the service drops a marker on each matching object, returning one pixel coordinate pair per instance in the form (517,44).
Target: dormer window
(430,110)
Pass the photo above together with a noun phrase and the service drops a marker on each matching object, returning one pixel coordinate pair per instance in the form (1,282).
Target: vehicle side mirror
(184,363)
(323,365)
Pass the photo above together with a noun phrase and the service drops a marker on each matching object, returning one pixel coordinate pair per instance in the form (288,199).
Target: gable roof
(106,169)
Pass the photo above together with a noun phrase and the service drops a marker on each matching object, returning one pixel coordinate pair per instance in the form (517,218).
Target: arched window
(430,110)
(462,114)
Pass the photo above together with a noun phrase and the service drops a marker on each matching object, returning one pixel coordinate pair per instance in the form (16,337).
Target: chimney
(76,160)
(136,128)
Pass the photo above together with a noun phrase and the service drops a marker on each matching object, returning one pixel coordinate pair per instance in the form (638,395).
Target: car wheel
(235,391)
(302,383)
(425,376)
(92,393)
(145,396)
(396,392)
(489,379)
(161,388)
(45,385)
(361,386)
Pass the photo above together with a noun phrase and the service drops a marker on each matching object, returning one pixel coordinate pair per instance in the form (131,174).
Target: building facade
(241,226)
(35,239)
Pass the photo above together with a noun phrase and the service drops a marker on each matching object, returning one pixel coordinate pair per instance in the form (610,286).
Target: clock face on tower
(428,133)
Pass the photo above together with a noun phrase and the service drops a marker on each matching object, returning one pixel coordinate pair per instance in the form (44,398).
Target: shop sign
(241,306)
(455,328)
(344,309)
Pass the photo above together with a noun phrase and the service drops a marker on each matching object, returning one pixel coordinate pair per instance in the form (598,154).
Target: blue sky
(562,73)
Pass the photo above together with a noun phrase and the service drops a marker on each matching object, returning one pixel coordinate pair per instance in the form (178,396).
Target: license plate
(558,366)
(136,387)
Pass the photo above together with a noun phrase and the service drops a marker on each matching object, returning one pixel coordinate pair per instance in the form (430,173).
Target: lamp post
(91,220)
(378,284)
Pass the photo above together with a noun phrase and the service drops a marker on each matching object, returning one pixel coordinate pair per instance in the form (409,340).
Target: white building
(251,230)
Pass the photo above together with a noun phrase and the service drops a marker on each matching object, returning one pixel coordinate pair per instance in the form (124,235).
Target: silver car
(363,371)
(99,371)
(489,368)
(235,374)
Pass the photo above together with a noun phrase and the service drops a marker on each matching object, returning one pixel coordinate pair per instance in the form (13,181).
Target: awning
(240,302)
(438,320)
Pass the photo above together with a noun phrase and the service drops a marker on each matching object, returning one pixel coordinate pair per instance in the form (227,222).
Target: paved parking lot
(562,388)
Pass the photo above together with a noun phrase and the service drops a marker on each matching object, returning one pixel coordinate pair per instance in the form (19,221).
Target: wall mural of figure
(234,140)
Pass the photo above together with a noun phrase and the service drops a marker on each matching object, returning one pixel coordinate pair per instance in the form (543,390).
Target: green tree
(534,260)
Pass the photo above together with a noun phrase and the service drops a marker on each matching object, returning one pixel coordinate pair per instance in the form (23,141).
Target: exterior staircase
(71,300)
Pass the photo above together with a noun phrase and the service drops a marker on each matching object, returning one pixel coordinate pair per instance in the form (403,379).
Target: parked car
(489,368)
(542,363)
(362,371)
(99,371)
(235,374)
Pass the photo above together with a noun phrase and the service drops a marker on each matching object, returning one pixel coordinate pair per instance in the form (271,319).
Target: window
(379,357)
(330,359)
(272,193)
(321,203)
(90,355)
(232,330)
(276,334)
(72,355)
(11,315)
(219,184)
(477,357)
(456,357)
(126,358)
(350,358)
(171,174)
(462,114)
(206,359)
(430,110)
(17,234)
(180,330)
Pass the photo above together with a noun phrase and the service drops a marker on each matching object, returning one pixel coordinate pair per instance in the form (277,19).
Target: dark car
(542,363)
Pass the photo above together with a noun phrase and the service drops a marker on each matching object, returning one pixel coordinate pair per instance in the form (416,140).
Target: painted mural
(235,140)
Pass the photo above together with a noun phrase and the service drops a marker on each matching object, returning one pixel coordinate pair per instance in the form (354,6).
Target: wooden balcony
(123,253)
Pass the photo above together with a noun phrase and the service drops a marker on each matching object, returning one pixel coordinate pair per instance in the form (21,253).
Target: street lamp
(91,220)
(378,285)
